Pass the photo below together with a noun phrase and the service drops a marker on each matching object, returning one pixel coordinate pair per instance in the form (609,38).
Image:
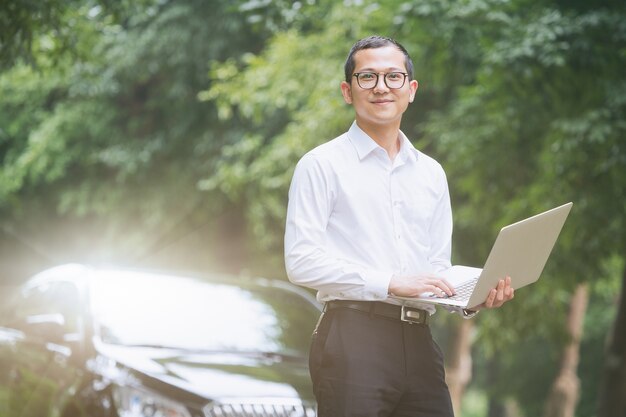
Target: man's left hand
(498,296)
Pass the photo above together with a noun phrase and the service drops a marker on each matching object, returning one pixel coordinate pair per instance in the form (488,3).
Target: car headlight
(139,402)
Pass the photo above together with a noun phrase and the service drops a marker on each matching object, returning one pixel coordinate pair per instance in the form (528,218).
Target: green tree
(102,148)
(541,125)
(292,103)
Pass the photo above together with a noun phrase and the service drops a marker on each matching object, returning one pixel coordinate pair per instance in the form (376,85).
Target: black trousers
(365,365)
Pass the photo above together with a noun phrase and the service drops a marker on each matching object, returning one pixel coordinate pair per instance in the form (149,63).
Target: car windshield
(184,313)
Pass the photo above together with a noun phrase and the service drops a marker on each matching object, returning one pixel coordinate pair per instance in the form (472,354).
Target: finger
(447,287)
(438,291)
(508,293)
(448,284)
(508,289)
(443,285)
(500,292)
(490,298)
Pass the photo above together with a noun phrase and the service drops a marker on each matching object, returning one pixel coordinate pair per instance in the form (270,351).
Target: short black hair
(373,42)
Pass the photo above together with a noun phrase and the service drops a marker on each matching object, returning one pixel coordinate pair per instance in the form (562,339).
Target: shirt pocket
(418,211)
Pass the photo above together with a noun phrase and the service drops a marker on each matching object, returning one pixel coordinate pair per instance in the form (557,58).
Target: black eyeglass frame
(356,74)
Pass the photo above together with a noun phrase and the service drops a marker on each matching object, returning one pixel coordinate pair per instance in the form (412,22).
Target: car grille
(260,408)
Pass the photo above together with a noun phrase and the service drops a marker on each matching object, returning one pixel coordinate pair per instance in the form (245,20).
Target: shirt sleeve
(307,259)
(441,229)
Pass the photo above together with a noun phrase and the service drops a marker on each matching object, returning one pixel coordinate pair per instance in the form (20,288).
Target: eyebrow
(388,69)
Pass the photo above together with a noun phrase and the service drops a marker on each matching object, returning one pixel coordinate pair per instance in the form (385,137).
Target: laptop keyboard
(464,291)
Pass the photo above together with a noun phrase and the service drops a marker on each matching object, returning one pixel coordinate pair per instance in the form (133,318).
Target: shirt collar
(407,149)
(365,145)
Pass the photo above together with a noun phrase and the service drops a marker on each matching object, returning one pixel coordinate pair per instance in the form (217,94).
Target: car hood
(218,375)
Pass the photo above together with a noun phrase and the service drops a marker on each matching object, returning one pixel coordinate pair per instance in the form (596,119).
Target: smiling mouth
(382,101)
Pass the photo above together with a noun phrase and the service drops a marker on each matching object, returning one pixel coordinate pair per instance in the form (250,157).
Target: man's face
(380,106)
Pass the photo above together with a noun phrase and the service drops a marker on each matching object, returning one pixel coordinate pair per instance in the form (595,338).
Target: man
(369,216)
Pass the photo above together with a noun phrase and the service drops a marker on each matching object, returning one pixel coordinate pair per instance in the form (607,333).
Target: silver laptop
(520,251)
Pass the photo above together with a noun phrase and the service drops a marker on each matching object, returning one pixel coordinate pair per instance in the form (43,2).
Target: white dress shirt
(355,218)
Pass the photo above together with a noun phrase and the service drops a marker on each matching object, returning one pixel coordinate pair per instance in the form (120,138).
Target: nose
(380,84)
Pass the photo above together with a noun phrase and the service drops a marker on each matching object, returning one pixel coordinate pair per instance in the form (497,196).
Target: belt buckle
(413,315)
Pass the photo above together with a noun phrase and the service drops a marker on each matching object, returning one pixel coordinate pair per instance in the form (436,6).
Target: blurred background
(163,134)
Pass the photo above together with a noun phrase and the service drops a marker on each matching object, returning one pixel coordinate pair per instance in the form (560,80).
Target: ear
(346,91)
(413,85)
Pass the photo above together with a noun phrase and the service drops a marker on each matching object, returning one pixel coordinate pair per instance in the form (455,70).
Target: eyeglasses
(369,80)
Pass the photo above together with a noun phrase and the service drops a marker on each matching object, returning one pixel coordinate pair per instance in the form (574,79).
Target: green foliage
(540,124)
(115,130)
(293,103)
(22,21)
(46,33)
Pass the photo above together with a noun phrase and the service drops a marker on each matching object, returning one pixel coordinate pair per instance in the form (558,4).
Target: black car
(80,341)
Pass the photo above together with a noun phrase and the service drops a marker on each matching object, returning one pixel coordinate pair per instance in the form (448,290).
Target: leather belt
(402,313)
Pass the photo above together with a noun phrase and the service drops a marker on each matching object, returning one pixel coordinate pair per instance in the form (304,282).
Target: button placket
(398,224)
(394,207)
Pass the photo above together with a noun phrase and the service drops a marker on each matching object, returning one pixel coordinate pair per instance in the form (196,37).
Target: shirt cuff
(376,285)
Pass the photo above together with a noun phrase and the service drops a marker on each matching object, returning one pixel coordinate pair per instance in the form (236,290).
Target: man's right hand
(416,285)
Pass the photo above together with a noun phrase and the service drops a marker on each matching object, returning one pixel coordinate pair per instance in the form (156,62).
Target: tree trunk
(459,363)
(613,393)
(564,394)
(495,405)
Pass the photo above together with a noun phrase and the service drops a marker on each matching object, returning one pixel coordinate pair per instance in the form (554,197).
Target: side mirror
(50,327)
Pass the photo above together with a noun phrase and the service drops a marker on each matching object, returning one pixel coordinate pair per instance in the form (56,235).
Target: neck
(387,137)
